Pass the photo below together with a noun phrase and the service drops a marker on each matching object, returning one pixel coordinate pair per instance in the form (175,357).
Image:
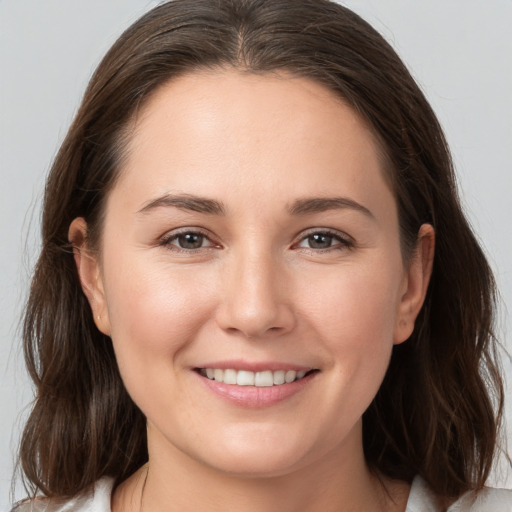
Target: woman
(257,288)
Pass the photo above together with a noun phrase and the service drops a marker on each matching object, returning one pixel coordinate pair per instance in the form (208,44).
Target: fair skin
(218,252)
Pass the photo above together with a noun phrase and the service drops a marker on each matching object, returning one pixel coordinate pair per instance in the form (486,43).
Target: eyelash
(167,240)
(343,241)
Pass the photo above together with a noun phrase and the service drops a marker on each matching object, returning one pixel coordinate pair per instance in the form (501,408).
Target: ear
(415,283)
(89,272)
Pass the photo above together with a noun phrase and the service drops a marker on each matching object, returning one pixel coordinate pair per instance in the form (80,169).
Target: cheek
(354,314)
(154,312)
(358,304)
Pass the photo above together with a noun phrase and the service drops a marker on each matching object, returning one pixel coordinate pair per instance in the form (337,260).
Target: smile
(266,378)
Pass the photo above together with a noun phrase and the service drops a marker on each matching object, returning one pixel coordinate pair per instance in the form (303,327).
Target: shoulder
(96,499)
(489,499)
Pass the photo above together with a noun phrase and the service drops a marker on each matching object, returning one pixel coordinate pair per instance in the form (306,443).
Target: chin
(260,454)
(258,465)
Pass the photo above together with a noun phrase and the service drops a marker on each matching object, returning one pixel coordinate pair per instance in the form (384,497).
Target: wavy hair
(437,412)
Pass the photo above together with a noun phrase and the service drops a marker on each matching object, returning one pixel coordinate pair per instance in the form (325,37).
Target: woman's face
(251,235)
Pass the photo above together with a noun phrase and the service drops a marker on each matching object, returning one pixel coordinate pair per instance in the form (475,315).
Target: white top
(421,499)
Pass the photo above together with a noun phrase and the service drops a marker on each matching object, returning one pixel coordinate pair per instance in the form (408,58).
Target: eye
(319,241)
(187,241)
(324,240)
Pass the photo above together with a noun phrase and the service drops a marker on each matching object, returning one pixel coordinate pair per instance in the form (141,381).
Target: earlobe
(415,284)
(88,269)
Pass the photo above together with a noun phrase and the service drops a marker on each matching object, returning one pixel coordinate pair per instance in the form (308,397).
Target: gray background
(458,50)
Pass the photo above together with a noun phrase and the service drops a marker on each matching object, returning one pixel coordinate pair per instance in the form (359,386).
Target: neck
(173,481)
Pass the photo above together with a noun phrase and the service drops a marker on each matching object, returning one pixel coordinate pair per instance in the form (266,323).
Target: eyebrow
(208,206)
(321,204)
(186,202)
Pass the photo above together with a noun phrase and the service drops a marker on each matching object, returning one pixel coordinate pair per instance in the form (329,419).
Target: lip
(253,396)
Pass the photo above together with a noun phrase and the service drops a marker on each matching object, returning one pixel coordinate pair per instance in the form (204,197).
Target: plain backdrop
(458,50)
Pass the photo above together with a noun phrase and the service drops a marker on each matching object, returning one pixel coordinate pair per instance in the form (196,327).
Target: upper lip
(254,366)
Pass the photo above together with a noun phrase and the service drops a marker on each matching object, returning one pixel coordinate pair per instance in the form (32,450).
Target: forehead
(212,132)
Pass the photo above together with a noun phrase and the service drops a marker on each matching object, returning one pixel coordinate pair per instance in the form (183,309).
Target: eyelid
(346,241)
(166,239)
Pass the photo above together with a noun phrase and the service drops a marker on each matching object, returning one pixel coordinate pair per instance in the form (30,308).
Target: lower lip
(256,396)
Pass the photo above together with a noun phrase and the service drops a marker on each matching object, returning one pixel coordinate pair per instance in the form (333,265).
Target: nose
(256,299)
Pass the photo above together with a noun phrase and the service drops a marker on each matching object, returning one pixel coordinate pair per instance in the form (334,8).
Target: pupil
(320,241)
(190,241)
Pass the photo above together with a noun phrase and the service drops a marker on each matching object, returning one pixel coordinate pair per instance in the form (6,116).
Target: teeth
(266,378)
(278,377)
(290,376)
(244,378)
(263,379)
(229,376)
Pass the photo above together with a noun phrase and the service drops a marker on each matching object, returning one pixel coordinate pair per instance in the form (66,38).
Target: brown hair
(437,411)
